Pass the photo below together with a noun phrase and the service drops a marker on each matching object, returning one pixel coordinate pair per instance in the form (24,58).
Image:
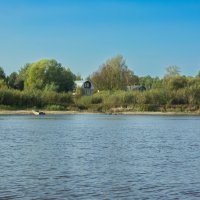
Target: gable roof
(81,83)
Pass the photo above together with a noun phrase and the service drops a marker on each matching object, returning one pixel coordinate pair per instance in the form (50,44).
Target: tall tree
(49,74)
(113,75)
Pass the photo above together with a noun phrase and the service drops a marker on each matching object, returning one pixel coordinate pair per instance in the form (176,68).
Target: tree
(12,80)
(21,77)
(172,71)
(113,75)
(2,74)
(176,83)
(49,75)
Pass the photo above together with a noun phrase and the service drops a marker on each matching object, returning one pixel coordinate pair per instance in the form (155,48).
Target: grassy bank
(135,101)
(157,100)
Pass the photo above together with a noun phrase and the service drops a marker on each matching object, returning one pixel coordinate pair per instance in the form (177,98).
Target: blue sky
(82,34)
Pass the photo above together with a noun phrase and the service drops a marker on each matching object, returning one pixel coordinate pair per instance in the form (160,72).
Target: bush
(158,96)
(114,100)
(178,97)
(84,102)
(35,98)
(193,95)
(57,98)
(130,98)
(96,100)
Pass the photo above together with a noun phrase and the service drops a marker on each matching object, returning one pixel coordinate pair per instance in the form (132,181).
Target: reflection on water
(99,157)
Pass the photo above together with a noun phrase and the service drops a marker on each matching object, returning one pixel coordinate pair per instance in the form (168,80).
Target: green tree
(21,77)
(3,84)
(113,75)
(49,74)
(12,80)
(2,74)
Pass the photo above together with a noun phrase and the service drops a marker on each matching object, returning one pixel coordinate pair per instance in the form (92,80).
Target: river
(90,157)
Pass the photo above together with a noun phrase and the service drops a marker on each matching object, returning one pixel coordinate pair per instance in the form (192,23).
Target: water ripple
(99,157)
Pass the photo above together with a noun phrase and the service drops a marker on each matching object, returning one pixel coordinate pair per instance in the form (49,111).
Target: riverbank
(29,112)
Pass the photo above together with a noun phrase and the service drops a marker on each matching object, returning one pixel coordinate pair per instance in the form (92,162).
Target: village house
(86,86)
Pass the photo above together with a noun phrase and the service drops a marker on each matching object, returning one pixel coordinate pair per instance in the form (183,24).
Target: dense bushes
(47,84)
(184,99)
(151,100)
(35,98)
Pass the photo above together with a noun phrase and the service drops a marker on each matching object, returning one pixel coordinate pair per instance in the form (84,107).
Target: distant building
(86,86)
(136,87)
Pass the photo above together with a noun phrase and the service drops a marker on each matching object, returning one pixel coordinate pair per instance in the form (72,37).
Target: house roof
(81,83)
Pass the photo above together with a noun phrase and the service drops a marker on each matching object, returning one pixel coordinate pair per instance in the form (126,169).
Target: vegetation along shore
(29,112)
(49,86)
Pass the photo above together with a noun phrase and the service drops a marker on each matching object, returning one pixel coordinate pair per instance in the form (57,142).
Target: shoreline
(29,112)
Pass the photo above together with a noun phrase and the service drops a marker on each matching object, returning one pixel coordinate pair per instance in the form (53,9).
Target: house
(86,86)
(136,87)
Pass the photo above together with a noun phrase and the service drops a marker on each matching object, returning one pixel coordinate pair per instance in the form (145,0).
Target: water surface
(99,157)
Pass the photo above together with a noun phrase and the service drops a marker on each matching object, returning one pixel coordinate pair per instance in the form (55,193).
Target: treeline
(44,84)
(47,84)
(45,75)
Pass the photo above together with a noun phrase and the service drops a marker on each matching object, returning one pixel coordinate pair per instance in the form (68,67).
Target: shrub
(96,100)
(178,97)
(84,102)
(130,98)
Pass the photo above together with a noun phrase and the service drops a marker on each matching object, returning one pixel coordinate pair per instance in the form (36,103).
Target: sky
(82,34)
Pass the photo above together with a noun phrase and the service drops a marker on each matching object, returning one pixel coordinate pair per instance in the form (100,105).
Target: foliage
(175,83)
(35,98)
(3,84)
(21,77)
(113,75)
(49,74)
(47,84)
(78,92)
(193,95)
(12,80)
(151,82)
(2,74)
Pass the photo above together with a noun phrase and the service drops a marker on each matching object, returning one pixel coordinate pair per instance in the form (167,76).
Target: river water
(99,157)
